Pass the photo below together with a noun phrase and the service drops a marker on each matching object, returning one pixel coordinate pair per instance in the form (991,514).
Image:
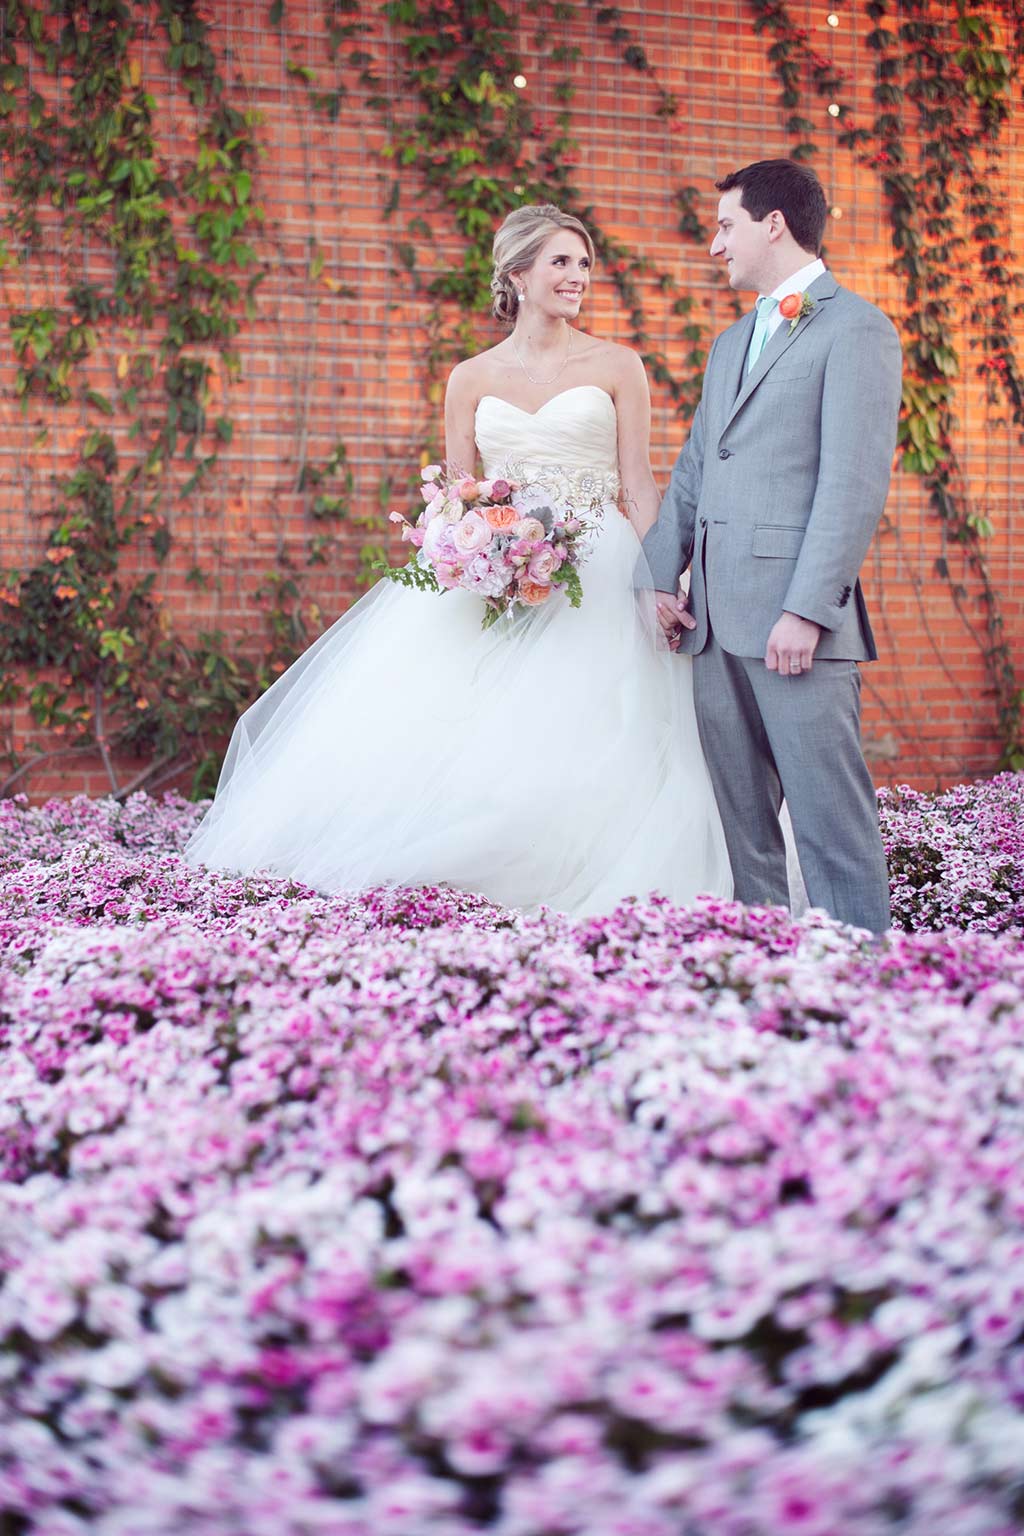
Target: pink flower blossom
(396,1211)
(439,542)
(472,534)
(529,528)
(542,564)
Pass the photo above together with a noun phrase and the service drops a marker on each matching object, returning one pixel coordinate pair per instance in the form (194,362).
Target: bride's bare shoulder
(617,366)
(476,375)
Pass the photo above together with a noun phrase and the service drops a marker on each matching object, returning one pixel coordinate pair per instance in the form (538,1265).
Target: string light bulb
(519,81)
(834,109)
(832,19)
(836,213)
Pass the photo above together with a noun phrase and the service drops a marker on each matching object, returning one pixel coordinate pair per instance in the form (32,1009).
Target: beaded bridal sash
(582,490)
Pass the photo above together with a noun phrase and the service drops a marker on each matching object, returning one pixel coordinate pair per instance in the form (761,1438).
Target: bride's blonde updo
(518,244)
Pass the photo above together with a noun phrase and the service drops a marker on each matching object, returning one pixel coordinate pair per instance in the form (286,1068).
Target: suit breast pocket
(785,372)
(776,541)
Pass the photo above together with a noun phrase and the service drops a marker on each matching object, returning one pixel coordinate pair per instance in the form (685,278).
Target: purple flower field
(403,1215)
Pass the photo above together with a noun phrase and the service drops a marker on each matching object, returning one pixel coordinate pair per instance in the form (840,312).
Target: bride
(553,758)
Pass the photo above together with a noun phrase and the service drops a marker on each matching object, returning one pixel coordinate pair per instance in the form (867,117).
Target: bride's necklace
(554,376)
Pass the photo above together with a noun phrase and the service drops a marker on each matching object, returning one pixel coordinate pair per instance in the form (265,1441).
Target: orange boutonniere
(794,307)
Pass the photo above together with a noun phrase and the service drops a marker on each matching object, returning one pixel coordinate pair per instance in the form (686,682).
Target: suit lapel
(822,289)
(731,365)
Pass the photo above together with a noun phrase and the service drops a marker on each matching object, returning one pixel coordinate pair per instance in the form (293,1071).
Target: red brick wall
(319,365)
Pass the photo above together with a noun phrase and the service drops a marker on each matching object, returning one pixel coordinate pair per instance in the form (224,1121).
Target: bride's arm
(460,402)
(640,496)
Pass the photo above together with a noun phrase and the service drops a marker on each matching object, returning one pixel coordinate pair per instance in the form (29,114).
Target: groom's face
(741,242)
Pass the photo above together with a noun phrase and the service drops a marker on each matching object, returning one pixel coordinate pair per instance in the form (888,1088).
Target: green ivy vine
(150,343)
(480,149)
(961,99)
(78,132)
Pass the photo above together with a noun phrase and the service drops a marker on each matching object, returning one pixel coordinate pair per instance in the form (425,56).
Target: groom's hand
(673,616)
(791,645)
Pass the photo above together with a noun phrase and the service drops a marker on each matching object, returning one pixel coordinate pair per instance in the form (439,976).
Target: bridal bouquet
(511,543)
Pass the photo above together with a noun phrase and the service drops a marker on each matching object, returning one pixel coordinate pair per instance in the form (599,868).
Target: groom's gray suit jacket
(783,479)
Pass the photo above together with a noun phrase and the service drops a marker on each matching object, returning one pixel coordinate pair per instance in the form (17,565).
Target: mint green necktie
(765,308)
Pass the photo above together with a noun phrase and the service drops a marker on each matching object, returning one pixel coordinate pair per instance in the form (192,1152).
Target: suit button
(724,453)
(703,522)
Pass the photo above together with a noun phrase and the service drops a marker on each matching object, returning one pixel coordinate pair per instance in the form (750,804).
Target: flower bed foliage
(405,1214)
(956,860)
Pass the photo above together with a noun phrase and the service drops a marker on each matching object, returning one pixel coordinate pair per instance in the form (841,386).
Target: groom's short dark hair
(790,187)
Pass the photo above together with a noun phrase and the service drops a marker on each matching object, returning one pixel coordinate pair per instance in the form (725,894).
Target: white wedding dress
(552,759)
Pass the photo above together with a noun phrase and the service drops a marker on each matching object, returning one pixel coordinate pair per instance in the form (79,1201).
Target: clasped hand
(673,616)
(791,644)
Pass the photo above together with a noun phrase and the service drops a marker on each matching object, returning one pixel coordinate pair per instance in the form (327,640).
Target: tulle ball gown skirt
(550,760)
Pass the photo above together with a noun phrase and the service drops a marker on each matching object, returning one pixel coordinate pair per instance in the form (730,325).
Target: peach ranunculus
(472,534)
(534,592)
(529,528)
(794,307)
(467,489)
(501,518)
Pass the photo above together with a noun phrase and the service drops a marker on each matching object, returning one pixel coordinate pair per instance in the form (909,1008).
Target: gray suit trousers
(766,737)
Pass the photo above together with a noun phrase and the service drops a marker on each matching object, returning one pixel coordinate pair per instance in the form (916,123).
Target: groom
(772,504)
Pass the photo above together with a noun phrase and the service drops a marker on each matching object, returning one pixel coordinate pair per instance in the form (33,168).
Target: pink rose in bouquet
(529,528)
(542,564)
(472,534)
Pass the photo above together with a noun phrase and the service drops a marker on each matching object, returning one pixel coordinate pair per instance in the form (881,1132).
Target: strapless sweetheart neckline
(560,396)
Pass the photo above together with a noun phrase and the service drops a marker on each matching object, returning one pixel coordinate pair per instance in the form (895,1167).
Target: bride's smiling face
(559,277)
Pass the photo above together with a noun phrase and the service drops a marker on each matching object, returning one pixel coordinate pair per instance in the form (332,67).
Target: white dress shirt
(795,284)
